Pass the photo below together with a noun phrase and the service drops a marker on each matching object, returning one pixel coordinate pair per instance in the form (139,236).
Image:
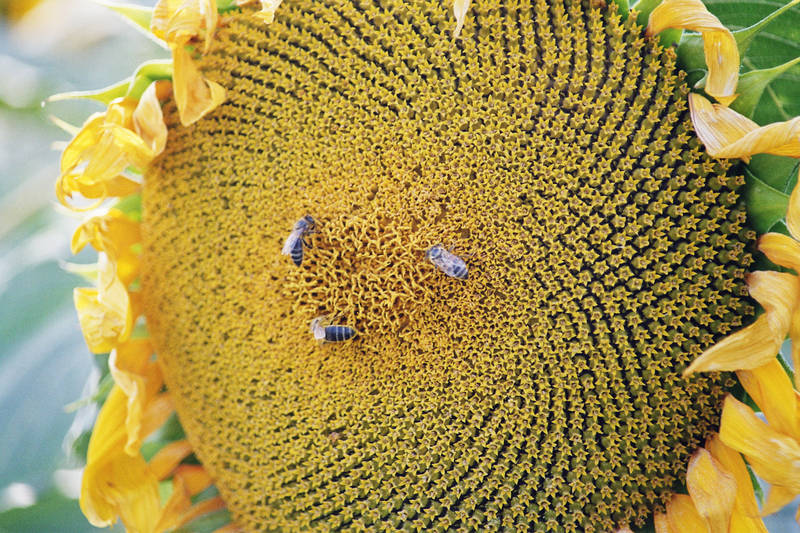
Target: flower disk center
(551,148)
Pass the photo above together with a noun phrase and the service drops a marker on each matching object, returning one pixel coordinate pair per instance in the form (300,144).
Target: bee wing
(290,242)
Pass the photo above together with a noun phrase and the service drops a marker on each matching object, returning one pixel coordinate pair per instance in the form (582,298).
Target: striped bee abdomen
(338,333)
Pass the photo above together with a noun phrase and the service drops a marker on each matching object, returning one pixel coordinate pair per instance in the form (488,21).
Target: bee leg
(306,243)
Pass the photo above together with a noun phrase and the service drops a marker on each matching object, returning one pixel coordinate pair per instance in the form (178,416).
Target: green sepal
(104,95)
(765,204)
(745,36)
(757,490)
(138,16)
(752,84)
(147,73)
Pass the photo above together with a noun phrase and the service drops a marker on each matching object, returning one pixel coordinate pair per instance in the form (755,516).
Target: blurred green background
(53,46)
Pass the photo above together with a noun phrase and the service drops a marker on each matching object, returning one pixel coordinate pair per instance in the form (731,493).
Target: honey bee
(447,262)
(330,333)
(297,239)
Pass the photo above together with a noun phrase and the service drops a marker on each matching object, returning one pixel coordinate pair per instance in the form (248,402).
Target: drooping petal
(167,458)
(713,490)
(115,483)
(733,463)
(770,387)
(759,342)
(148,119)
(195,96)
(104,313)
(179,21)
(727,134)
(140,379)
(774,456)
(93,162)
(681,516)
(116,235)
(460,8)
(719,45)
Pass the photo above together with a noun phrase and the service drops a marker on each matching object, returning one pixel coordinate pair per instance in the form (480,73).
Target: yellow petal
(742,523)
(713,490)
(774,456)
(169,457)
(201,508)
(719,46)
(682,516)
(93,162)
(140,379)
(777,498)
(793,212)
(116,235)
(727,134)
(195,96)
(177,505)
(733,463)
(115,483)
(781,250)
(770,387)
(179,21)
(794,334)
(268,8)
(759,342)
(104,313)
(460,8)
(208,8)
(148,120)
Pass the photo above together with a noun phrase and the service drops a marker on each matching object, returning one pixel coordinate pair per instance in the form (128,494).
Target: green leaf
(765,204)
(752,85)
(778,172)
(745,36)
(223,6)
(131,206)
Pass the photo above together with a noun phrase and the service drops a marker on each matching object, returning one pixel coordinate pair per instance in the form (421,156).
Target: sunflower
(579,378)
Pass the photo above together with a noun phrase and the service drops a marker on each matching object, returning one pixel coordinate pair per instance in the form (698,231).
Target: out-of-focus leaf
(53,512)
(206,523)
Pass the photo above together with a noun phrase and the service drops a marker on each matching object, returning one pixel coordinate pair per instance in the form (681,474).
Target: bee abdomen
(338,333)
(297,252)
(459,271)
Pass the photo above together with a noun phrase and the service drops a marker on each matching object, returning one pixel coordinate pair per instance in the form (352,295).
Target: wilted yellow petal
(759,342)
(727,134)
(140,379)
(148,120)
(268,8)
(713,490)
(115,483)
(179,21)
(195,96)
(719,46)
(156,413)
(460,8)
(104,313)
(169,457)
(774,456)
(116,235)
(93,162)
(733,463)
(201,508)
(682,517)
(770,387)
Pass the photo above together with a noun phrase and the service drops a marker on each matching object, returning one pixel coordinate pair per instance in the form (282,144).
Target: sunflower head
(547,149)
